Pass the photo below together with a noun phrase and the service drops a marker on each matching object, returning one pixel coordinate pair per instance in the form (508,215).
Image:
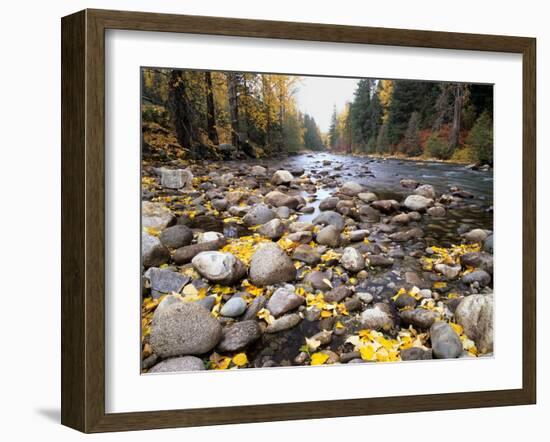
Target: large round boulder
(153,252)
(184,328)
(183,363)
(271,265)
(418,203)
(219,267)
(282,177)
(475,315)
(259,214)
(445,342)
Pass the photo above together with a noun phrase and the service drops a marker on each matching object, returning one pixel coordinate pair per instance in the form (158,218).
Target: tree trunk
(233,108)
(265,88)
(457,116)
(210,110)
(180,110)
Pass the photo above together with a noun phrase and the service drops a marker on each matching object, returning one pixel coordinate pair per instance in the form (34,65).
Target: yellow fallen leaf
(457,328)
(339,325)
(326,314)
(240,359)
(318,358)
(367,352)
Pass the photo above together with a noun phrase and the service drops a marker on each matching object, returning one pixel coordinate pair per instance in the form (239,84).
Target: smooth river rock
(271,265)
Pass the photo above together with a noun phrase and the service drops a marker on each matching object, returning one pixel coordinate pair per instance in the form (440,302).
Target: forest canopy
(237,115)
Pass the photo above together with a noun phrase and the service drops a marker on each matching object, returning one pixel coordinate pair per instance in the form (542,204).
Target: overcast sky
(316,96)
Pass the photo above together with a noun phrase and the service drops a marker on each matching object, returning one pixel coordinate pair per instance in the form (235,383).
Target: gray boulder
(352,260)
(376,319)
(307,254)
(238,336)
(176,236)
(281,177)
(480,276)
(367,197)
(273,229)
(284,323)
(236,306)
(351,188)
(271,265)
(329,203)
(183,363)
(259,214)
(184,328)
(254,307)
(279,199)
(283,300)
(153,253)
(418,203)
(426,190)
(445,342)
(329,236)
(437,211)
(185,254)
(330,218)
(450,272)
(176,178)
(164,281)
(480,260)
(219,267)
(476,236)
(418,317)
(155,215)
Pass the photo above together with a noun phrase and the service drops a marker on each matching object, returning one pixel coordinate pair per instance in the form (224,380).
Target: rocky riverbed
(314,259)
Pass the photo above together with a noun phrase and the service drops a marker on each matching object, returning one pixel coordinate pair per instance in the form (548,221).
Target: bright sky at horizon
(317,97)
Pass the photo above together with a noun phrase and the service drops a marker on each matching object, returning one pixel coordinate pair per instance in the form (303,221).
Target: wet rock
(279,199)
(329,236)
(271,265)
(352,260)
(156,216)
(358,235)
(153,253)
(415,354)
(184,328)
(318,280)
(476,236)
(415,216)
(366,297)
(307,254)
(209,236)
(273,229)
(450,272)
(405,301)
(348,357)
(338,294)
(301,237)
(351,188)
(183,363)
(238,336)
(284,300)
(437,212)
(219,267)
(408,183)
(254,307)
(176,236)
(426,190)
(281,177)
(402,218)
(235,197)
(329,203)
(330,218)
(480,276)
(284,323)
(312,314)
(376,319)
(445,342)
(475,315)
(165,281)
(380,261)
(406,235)
(353,304)
(413,279)
(234,307)
(418,317)
(258,171)
(333,357)
(345,207)
(176,178)
(418,203)
(207,302)
(386,206)
(300,227)
(185,254)
(368,214)
(367,197)
(259,214)
(480,260)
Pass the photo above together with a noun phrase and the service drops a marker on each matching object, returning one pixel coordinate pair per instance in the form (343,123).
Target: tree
(312,134)
(233,98)
(210,110)
(383,141)
(333,133)
(438,147)
(411,143)
(481,138)
(457,115)
(181,110)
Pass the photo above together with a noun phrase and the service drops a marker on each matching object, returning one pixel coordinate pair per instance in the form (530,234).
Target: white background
(30,258)
(128,391)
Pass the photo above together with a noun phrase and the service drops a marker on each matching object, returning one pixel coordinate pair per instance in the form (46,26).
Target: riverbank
(314,259)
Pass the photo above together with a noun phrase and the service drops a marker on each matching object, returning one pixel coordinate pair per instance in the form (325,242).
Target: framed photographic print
(267,220)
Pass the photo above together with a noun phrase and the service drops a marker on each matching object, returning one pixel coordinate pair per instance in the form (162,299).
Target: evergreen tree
(481,138)
(411,143)
(312,135)
(333,134)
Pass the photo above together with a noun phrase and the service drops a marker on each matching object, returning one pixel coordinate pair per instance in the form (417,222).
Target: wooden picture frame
(83,219)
